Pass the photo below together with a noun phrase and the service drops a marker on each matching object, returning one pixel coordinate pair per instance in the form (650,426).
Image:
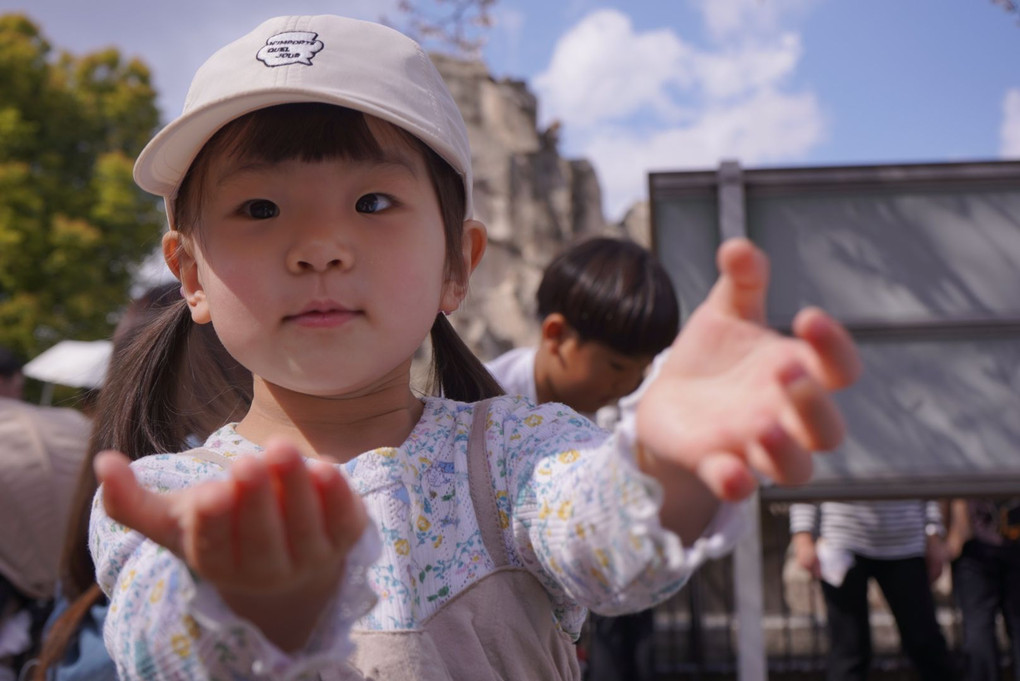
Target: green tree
(73,225)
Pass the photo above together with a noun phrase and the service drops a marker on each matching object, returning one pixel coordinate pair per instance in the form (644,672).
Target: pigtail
(139,366)
(123,422)
(135,406)
(455,369)
(173,381)
(212,388)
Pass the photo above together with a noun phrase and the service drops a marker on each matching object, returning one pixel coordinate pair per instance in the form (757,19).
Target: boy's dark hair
(9,363)
(614,292)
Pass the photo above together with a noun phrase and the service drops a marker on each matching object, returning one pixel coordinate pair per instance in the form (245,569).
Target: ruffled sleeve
(585,518)
(165,624)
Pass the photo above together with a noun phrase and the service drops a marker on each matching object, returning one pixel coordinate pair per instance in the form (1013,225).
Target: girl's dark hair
(612,291)
(316,132)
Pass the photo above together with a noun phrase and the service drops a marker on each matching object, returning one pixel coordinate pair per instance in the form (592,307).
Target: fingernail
(773,437)
(792,373)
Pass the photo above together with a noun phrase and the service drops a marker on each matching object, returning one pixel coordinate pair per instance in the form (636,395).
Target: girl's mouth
(322,315)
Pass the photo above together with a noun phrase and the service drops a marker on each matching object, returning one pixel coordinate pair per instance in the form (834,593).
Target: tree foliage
(72,222)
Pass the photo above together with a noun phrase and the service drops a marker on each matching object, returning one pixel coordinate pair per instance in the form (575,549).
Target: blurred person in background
(41,450)
(983,542)
(897,543)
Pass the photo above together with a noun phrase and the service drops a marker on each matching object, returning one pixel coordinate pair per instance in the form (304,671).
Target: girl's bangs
(312,132)
(309,132)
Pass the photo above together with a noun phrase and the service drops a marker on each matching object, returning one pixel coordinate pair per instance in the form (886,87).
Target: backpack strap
(207,455)
(483,495)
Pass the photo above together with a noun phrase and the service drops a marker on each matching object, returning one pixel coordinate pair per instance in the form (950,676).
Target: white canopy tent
(79,364)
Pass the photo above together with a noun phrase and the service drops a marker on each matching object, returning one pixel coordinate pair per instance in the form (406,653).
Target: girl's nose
(319,254)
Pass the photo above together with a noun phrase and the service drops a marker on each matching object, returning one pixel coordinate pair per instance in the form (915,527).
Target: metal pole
(747,577)
(732,219)
(747,560)
(46,398)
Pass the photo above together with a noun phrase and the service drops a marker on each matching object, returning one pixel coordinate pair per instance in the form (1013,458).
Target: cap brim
(162,164)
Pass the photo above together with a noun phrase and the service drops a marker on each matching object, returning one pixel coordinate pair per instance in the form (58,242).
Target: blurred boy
(607,308)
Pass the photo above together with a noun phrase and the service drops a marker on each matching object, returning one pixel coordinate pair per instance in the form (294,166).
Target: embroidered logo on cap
(292,47)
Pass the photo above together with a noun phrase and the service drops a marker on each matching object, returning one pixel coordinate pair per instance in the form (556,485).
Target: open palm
(736,399)
(272,538)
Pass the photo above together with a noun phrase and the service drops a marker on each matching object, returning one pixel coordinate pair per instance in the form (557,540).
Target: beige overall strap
(483,497)
(207,455)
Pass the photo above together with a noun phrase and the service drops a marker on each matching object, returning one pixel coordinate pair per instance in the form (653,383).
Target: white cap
(356,64)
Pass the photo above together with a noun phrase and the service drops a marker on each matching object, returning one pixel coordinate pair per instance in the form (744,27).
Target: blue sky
(646,85)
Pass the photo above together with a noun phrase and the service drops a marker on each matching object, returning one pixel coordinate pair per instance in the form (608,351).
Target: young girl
(318,188)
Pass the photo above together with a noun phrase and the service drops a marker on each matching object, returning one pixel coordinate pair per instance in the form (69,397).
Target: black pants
(904,583)
(986,581)
(621,648)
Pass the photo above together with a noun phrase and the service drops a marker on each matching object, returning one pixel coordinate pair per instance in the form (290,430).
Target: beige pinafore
(500,628)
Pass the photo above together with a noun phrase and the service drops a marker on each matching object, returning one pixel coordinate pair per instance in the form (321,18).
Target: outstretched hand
(735,399)
(272,537)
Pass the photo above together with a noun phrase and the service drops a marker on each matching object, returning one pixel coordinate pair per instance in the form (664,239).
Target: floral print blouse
(574,510)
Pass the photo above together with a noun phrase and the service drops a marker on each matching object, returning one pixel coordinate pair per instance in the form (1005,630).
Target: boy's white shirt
(515,371)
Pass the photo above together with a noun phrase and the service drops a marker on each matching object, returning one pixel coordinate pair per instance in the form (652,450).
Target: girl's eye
(373,203)
(260,209)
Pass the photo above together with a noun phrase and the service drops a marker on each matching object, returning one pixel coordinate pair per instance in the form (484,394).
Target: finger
(836,360)
(260,545)
(812,419)
(132,505)
(776,455)
(302,512)
(208,534)
(726,476)
(343,511)
(743,280)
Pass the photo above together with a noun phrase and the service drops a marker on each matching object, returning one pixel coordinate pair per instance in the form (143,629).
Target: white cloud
(727,18)
(768,127)
(733,72)
(601,70)
(633,101)
(1010,130)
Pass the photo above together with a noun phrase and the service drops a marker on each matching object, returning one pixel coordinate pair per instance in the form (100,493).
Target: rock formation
(532,200)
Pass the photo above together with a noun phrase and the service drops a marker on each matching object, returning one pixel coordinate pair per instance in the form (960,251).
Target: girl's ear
(180,260)
(474,242)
